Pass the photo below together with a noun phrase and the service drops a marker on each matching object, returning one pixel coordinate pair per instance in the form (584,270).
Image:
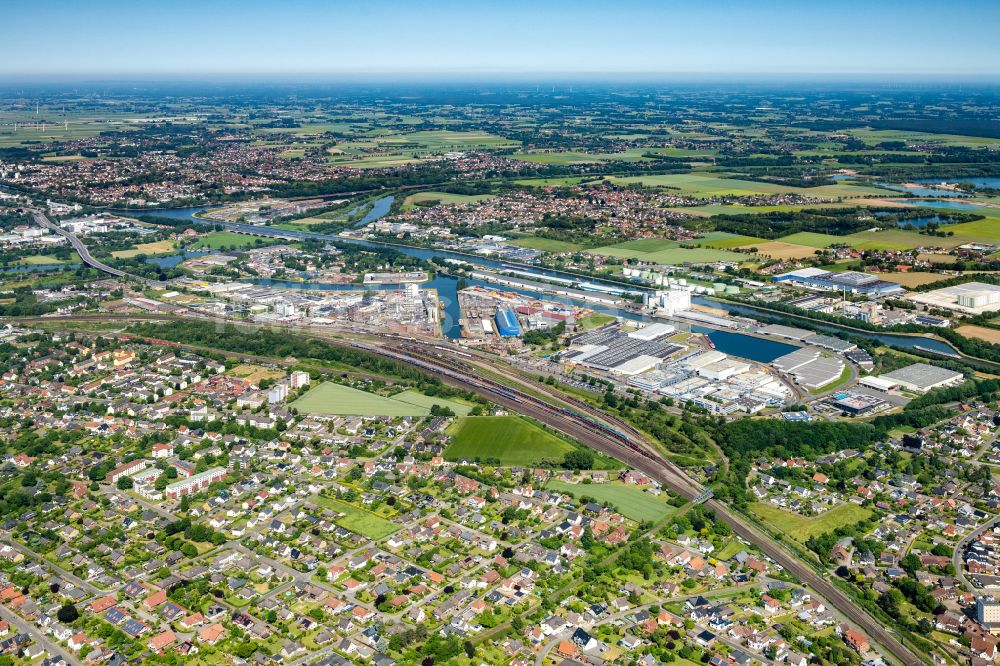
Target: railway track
(623,443)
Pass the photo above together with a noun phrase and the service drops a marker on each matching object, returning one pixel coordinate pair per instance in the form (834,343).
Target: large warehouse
(507,324)
(921,377)
(852,281)
(970,298)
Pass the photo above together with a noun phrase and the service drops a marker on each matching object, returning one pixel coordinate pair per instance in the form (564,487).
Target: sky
(316,37)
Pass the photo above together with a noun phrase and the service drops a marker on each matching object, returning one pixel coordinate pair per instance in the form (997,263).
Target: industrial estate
(500,373)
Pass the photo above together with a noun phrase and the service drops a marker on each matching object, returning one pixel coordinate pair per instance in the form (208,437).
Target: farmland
(710,184)
(547,244)
(158,247)
(667,252)
(509,439)
(630,501)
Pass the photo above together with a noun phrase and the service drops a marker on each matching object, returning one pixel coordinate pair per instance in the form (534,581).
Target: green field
(728,551)
(735,241)
(710,185)
(801,528)
(444,198)
(510,439)
(547,244)
(394,149)
(415,397)
(670,253)
(218,240)
(566,181)
(356,519)
(811,239)
(159,247)
(574,157)
(41,260)
(630,501)
(986,230)
(339,400)
(595,320)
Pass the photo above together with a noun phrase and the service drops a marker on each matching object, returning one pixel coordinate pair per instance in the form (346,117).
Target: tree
(125,483)
(67,614)
(579,459)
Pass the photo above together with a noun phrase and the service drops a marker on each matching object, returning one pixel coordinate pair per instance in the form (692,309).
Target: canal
(729,342)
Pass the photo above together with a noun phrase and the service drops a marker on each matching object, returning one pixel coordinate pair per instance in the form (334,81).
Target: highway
(84,253)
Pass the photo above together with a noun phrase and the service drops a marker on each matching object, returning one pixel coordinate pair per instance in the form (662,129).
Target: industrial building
(611,350)
(669,302)
(922,377)
(858,404)
(852,281)
(969,298)
(809,368)
(507,325)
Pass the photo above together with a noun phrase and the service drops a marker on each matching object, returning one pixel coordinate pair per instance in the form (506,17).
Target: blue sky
(110,37)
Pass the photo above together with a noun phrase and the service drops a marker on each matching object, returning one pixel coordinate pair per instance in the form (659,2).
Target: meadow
(335,399)
(223,240)
(801,528)
(356,519)
(444,198)
(510,439)
(662,251)
(547,244)
(630,501)
(157,247)
(709,184)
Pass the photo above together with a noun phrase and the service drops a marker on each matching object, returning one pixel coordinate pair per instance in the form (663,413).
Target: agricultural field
(573,157)
(630,501)
(990,335)
(729,241)
(896,239)
(566,181)
(801,528)
(667,252)
(708,185)
(913,279)
(386,150)
(986,230)
(812,239)
(547,244)
(873,136)
(157,247)
(783,251)
(356,519)
(510,439)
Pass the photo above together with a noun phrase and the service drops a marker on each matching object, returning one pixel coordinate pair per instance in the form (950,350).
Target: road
(617,439)
(53,648)
(84,253)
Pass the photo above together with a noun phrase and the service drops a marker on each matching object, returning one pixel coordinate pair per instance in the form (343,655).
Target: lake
(987,181)
(940,203)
